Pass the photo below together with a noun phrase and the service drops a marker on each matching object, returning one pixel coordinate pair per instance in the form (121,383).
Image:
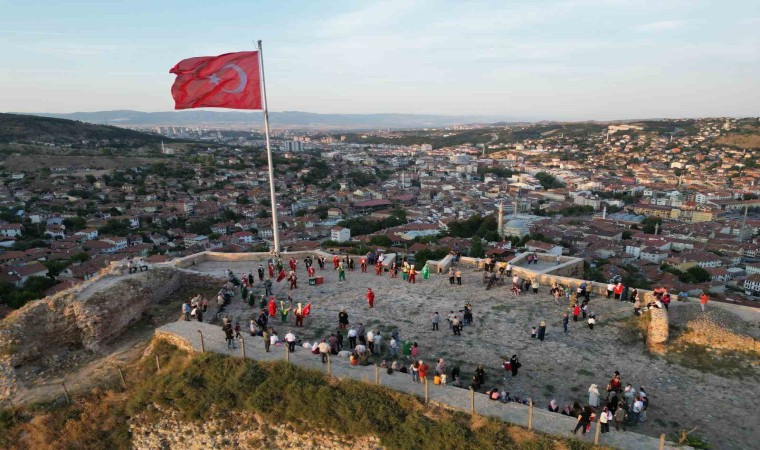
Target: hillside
(283,119)
(207,400)
(35,129)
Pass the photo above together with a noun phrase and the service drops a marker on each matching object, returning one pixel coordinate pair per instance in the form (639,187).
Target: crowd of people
(623,406)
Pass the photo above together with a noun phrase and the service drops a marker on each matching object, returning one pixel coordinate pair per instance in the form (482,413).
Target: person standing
(458,274)
(451,275)
(703,300)
(584,419)
(514,364)
(267,335)
(324,350)
(371,341)
(228,335)
(186,311)
(455,325)
(341,272)
(604,420)
(343,319)
(352,338)
(412,274)
(370,298)
(423,370)
(591,321)
(534,284)
(576,312)
(610,288)
(435,319)
(290,339)
(618,291)
(593,396)
(620,417)
(394,347)
(565,321)
(541,331)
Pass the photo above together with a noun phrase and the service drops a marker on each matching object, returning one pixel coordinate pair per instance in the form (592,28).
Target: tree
(627,235)
(648,225)
(549,181)
(380,240)
(75,223)
(476,248)
(697,274)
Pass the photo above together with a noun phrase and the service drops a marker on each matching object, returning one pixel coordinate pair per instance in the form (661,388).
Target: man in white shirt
(610,289)
(377,343)
(274,339)
(324,350)
(290,338)
(352,338)
(370,341)
(394,348)
(638,406)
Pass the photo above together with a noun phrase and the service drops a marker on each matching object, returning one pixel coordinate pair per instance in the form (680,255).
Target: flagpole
(273,199)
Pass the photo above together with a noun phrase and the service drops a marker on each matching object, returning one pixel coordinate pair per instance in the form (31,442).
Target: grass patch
(726,363)
(195,386)
(584,372)
(502,307)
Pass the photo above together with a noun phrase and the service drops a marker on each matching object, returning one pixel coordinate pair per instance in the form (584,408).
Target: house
(545,247)
(87,234)
(752,285)
(244,237)
(194,239)
(340,234)
(27,271)
(11,230)
(653,254)
(718,274)
(120,242)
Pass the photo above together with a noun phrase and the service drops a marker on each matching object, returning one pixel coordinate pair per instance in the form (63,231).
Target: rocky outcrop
(237,430)
(83,318)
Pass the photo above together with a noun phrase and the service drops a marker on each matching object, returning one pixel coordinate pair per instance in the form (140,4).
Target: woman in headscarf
(593,396)
(541,331)
(553,406)
(514,365)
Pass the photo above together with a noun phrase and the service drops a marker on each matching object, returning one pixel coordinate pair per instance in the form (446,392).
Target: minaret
(656,228)
(500,230)
(604,213)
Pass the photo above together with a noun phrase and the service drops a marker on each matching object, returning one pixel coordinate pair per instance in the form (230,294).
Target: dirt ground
(562,367)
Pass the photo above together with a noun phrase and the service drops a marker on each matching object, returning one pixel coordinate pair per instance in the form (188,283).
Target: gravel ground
(562,367)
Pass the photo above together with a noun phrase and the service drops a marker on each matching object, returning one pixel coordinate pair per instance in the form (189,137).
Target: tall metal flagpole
(273,198)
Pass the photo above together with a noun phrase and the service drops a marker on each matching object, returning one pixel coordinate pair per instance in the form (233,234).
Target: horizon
(582,60)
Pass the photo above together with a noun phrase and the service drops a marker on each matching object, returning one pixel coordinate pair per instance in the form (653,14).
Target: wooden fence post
(328,365)
(242,346)
(287,354)
(530,414)
(203,347)
(427,393)
(158,365)
(377,374)
(662,441)
(66,393)
(598,427)
(121,375)
(472,401)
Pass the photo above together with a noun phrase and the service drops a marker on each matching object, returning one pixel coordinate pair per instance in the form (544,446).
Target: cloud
(661,25)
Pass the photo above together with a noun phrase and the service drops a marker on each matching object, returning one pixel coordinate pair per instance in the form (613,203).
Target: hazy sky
(533,59)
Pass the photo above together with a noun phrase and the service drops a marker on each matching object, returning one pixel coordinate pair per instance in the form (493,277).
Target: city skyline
(546,60)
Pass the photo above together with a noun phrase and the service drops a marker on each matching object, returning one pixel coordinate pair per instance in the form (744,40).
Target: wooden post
(377,374)
(662,441)
(203,347)
(598,427)
(287,354)
(158,365)
(121,375)
(472,401)
(328,364)
(242,346)
(66,393)
(427,393)
(530,414)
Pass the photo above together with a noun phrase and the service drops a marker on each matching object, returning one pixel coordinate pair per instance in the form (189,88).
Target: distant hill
(285,119)
(28,129)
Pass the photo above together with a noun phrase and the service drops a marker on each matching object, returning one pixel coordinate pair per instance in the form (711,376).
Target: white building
(340,234)
(10,230)
(293,146)
(752,284)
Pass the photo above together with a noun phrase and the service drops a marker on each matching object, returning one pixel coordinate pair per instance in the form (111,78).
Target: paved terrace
(186,335)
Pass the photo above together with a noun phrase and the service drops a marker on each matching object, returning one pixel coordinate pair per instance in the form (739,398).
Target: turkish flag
(306,310)
(231,80)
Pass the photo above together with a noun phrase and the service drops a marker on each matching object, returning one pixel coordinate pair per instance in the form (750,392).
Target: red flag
(281,275)
(231,80)
(306,309)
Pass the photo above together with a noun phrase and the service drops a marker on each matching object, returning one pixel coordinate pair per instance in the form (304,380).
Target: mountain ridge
(280,119)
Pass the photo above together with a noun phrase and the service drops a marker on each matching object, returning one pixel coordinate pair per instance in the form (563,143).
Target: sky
(524,60)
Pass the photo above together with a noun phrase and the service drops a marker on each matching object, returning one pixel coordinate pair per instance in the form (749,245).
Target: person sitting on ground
(494,394)
(553,406)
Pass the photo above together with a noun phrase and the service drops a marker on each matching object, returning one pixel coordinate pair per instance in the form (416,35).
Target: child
(415,350)
(533,333)
(443,379)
